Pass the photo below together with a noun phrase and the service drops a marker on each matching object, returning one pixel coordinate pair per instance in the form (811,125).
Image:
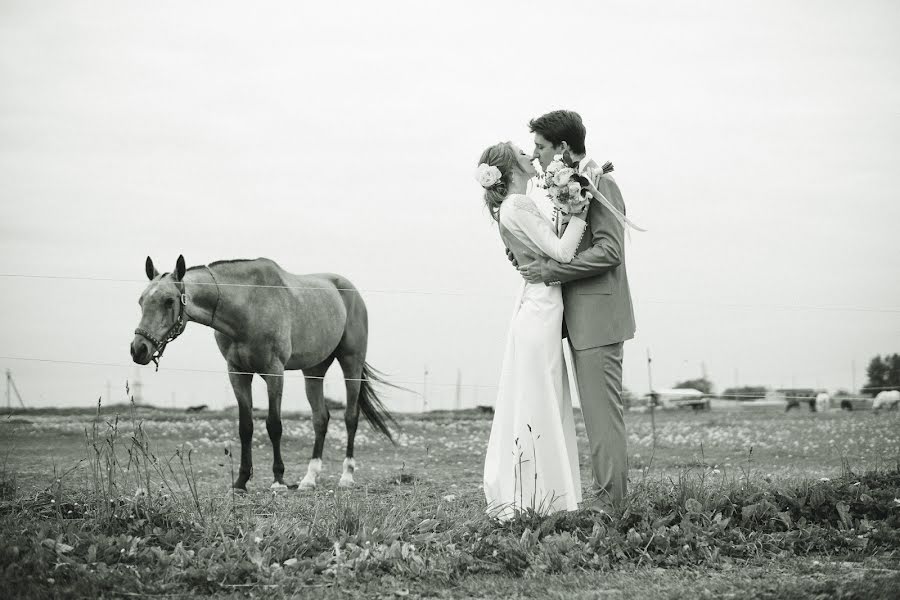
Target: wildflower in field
(140,493)
(450,497)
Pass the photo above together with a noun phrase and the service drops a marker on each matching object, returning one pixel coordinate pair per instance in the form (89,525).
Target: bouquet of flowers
(565,186)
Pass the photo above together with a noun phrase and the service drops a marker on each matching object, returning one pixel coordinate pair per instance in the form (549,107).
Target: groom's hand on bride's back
(512,257)
(532,271)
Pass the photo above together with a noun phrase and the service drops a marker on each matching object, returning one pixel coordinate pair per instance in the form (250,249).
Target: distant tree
(883,373)
(701,384)
(747,392)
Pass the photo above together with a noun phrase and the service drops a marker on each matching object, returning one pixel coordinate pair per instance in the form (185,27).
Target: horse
(267,321)
(888,399)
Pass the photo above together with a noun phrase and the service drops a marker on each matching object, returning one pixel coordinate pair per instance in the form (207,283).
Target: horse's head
(162,313)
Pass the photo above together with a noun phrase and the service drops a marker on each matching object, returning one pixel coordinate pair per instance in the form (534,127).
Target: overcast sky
(758,142)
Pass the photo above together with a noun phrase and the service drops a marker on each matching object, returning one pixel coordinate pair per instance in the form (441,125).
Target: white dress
(532,456)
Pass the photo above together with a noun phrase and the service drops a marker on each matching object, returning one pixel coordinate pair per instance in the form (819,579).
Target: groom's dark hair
(561,126)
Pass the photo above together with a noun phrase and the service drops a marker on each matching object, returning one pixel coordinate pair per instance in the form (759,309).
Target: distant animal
(887,399)
(823,402)
(197,408)
(266,321)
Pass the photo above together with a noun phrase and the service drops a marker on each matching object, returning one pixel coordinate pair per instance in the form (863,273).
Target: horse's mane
(233,260)
(222,262)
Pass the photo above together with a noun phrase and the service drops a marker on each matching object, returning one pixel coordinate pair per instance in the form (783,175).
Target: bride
(532,457)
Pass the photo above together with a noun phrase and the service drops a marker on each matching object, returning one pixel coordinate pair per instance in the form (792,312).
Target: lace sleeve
(525,219)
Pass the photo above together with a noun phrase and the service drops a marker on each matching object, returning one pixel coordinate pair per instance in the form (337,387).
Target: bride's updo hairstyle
(503,157)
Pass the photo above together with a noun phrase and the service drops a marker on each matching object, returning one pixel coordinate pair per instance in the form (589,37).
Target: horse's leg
(240,382)
(315,385)
(352,365)
(275,383)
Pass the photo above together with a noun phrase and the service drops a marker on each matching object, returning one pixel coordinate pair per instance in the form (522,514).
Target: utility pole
(425,390)
(11,387)
(652,399)
(137,388)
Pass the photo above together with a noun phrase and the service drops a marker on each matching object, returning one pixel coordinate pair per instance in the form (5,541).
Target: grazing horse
(888,399)
(266,321)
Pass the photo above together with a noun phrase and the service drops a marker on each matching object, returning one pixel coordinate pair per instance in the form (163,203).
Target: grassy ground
(94,507)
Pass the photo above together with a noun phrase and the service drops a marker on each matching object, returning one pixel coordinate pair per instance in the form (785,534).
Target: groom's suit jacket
(596,296)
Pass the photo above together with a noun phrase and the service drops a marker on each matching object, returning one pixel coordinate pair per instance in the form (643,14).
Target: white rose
(487,175)
(555,166)
(554,192)
(574,189)
(563,176)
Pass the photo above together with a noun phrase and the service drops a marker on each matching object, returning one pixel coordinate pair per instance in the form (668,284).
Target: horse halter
(180,324)
(173,332)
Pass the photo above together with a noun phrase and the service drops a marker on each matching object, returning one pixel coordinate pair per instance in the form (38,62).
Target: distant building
(681,398)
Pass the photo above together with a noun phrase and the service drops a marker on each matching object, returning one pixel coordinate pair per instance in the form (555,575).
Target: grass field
(739,504)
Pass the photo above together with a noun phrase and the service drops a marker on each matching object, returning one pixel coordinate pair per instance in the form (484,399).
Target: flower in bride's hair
(487,175)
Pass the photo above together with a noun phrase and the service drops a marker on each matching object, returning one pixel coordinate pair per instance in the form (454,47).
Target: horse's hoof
(346,482)
(278,487)
(307,485)
(238,490)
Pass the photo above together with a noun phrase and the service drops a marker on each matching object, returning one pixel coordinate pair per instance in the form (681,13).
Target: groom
(597,304)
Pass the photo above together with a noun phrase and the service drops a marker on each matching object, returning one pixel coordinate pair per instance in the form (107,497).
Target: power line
(257,285)
(287,374)
(865,309)
(300,375)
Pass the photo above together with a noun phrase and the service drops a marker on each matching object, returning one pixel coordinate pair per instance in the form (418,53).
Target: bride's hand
(582,214)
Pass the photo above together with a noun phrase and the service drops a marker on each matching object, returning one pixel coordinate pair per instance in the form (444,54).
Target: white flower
(555,166)
(563,176)
(574,189)
(554,192)
(487,175)
(450,497)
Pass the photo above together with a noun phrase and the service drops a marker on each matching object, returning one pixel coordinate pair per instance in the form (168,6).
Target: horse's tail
(370,404)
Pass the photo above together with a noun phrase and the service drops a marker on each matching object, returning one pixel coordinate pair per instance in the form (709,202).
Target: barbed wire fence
(396,291)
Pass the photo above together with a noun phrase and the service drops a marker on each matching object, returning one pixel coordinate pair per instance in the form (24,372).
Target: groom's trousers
(599,376)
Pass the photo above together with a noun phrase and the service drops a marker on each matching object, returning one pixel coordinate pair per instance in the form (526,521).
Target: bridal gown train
(532,456)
